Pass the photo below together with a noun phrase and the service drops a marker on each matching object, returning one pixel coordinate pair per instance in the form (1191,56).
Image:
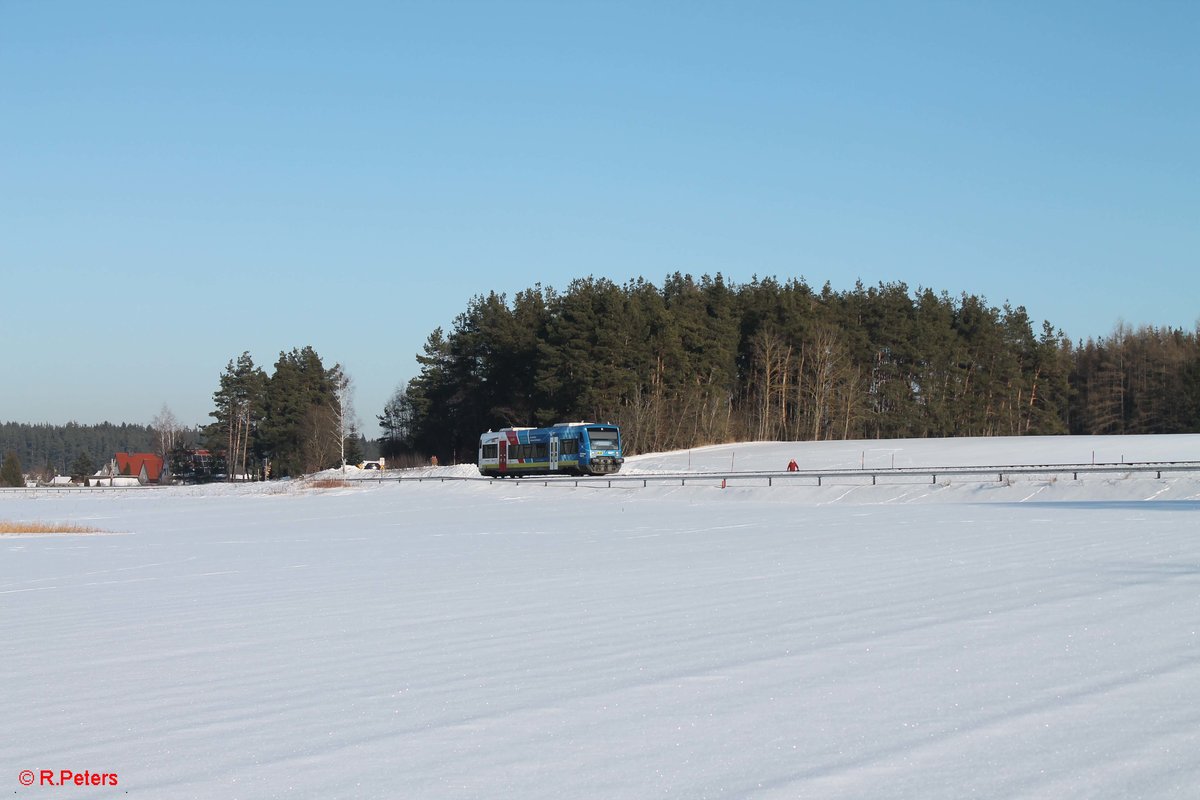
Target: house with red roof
(146,467)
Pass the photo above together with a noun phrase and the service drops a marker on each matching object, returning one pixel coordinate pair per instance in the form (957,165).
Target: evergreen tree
(586,359)
(355,447)
(508,356)
(1049,396)
(10,470)
(396,422)
(298,430)
(435,426)
(82,467)
(240,402)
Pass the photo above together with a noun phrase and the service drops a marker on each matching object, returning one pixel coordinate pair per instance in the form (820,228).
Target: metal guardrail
(976,474)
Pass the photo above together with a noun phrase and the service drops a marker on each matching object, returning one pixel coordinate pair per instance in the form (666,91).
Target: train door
(503,455)
(553,453)
(584,449)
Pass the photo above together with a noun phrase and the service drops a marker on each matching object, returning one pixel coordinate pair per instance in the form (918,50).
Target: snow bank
(354,473)
(921,453)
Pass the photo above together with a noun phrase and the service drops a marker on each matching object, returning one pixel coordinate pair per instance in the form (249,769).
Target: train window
(491,451)
(540,452)
(530,452)
(569,447)
(603,439)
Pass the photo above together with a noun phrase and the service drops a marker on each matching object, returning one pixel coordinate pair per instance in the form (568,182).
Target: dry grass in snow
(21,528)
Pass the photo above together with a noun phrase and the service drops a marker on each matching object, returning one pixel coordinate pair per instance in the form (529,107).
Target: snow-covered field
(487,640)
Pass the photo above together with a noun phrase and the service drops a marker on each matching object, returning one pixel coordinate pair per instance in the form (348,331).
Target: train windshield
(603,438)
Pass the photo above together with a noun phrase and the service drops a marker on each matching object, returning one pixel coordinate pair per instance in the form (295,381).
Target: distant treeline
(694,362)
(294,420)
(706,361)
(54,449)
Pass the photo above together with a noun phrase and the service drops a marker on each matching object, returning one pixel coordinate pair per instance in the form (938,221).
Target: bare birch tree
(344,418)
(772,360)
(168,429)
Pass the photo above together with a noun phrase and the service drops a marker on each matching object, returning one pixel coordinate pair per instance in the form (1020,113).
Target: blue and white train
(570,448)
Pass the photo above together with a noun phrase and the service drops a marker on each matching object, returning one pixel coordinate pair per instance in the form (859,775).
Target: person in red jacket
(793,466)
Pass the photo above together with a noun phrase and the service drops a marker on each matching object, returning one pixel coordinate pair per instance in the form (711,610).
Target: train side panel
(569,449)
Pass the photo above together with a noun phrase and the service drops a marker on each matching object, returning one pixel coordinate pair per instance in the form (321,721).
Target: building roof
(132,463)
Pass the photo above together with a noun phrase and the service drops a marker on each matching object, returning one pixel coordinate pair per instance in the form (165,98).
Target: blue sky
(185,181)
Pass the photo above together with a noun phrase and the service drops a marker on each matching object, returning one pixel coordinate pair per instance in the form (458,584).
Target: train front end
(600,450)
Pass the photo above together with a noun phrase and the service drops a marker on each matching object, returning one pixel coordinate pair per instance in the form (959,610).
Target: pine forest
(706,361)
